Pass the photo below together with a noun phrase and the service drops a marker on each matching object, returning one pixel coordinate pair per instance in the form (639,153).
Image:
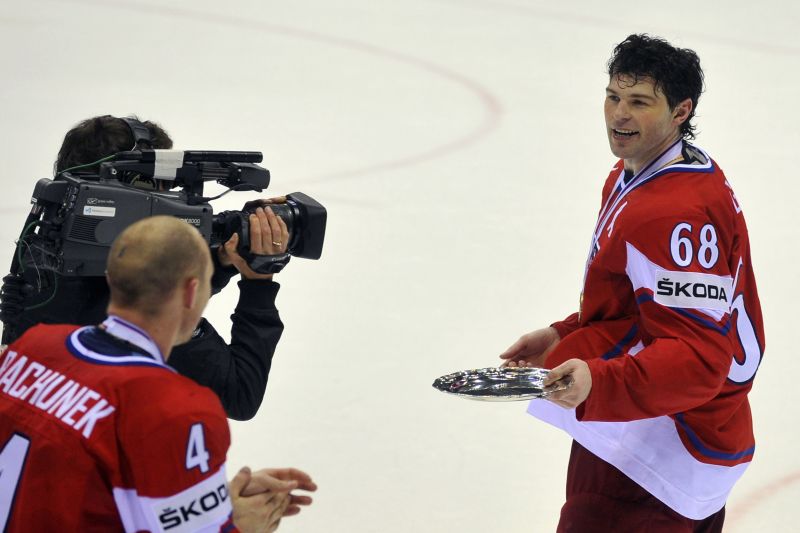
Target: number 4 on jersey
(196,453)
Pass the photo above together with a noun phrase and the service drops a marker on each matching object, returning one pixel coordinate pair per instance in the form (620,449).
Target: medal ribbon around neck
(621,189)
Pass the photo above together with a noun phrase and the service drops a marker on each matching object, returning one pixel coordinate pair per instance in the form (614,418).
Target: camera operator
(236,372)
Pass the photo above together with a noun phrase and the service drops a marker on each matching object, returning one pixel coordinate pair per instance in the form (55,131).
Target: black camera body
(76,216)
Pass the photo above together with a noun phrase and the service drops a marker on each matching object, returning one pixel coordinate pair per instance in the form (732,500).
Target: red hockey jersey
(670,325)
(97,433)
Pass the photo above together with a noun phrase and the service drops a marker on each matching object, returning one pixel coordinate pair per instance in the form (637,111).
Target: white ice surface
(459,148)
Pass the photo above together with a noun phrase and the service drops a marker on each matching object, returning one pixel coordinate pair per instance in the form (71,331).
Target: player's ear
(681,112)
(190,291)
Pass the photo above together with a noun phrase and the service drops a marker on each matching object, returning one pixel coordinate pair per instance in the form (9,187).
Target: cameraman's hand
(260,512)
(531,349)
(268,236)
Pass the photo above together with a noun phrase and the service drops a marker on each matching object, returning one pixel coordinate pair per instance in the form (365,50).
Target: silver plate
(501,384)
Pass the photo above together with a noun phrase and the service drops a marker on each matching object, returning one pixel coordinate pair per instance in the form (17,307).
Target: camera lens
(286,212)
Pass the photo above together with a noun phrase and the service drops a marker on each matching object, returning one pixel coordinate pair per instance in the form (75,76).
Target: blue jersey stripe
(617,349)
(647,297)
(708,452)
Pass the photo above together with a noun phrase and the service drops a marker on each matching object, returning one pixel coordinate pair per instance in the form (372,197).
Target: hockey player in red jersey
(669,334)
(97,433)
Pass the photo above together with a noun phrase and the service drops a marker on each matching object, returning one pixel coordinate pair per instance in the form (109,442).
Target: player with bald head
(159,274)
(95,419)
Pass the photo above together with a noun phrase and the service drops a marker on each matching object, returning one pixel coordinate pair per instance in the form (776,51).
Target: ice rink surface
(459,147)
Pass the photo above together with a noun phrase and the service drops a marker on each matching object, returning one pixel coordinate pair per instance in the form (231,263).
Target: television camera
(76,216)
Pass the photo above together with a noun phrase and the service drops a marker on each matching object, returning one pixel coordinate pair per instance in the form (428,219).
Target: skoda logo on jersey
(667,287)
(204,506)
(172,517)
(693,290)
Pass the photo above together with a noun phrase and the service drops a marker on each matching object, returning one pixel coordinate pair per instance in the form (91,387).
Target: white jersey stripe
(204,507)
(644,274)
(667,471)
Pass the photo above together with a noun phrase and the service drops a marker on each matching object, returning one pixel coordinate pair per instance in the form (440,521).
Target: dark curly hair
(98,137)
(675,72)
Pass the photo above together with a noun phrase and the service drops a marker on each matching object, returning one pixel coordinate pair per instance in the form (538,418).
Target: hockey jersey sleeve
(173,451)
(236,372)
(682,268)
(566,326)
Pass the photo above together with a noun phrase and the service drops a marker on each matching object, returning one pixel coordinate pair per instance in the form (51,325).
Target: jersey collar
(122,329)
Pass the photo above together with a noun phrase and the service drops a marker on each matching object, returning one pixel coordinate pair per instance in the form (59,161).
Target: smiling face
(639,121)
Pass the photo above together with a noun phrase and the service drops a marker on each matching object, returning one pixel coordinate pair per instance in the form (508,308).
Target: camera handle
(267,264)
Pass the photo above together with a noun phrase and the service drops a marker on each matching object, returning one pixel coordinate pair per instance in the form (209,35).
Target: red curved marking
(491,105)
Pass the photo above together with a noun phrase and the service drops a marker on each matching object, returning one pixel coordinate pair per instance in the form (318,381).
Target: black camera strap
(267,264)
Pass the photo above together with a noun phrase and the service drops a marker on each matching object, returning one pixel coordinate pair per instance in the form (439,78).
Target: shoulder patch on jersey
(692,290)
(693,155)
